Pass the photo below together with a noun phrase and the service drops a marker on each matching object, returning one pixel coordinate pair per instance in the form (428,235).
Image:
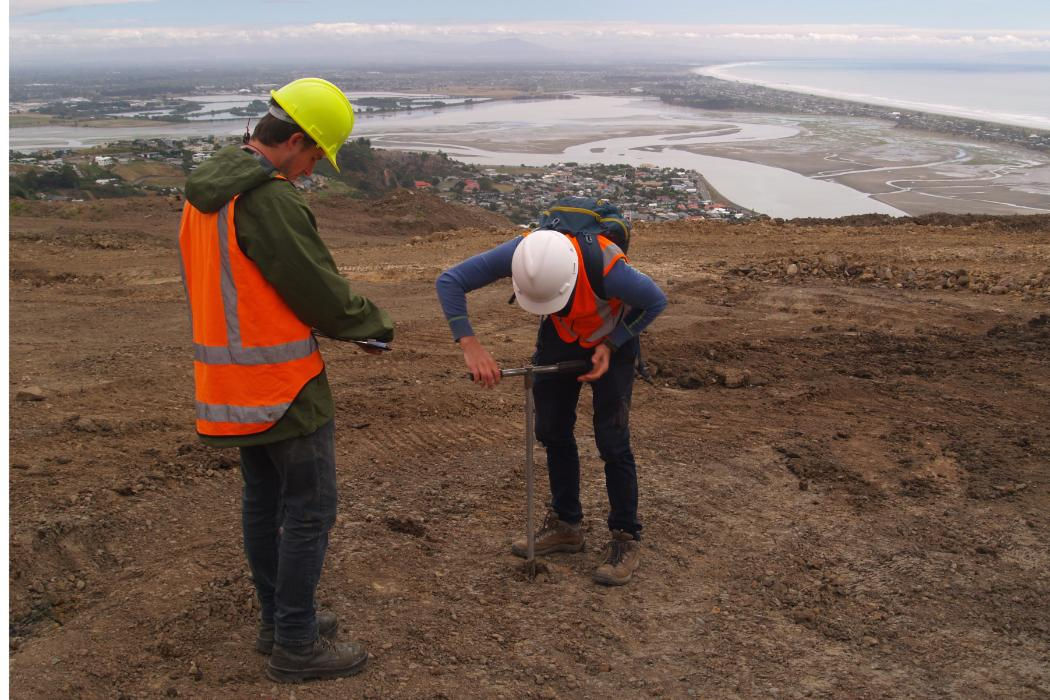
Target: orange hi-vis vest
(252,355)
(590,319)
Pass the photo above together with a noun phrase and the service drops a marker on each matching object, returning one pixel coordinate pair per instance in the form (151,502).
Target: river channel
(590,129)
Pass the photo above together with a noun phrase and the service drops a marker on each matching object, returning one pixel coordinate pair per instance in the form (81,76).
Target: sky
(56,31)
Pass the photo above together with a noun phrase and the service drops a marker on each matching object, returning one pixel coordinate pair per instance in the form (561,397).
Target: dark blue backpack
(586,219)
(578,215)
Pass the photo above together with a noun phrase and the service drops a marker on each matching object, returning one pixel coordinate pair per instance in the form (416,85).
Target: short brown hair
(271,131)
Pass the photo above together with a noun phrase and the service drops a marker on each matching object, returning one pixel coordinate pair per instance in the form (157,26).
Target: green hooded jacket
(277,231)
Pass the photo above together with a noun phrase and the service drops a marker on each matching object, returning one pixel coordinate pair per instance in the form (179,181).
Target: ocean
(1007,94)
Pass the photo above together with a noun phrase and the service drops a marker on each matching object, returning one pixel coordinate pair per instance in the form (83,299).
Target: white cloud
(28,41)
(35,7)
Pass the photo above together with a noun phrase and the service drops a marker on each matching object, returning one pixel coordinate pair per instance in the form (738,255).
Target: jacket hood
(230,172)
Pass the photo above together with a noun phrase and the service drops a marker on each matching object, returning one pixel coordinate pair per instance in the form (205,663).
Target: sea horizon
(996,93)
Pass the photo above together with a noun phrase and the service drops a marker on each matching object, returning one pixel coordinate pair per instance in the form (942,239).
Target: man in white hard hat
(259,279)
(550,279)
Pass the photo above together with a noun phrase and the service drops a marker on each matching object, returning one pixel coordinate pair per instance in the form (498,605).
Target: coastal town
(644,193)
(159,166)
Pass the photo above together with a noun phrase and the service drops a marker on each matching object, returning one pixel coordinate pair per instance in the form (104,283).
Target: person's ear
(296,140)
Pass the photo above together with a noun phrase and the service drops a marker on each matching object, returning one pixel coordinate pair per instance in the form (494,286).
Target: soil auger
(531,566)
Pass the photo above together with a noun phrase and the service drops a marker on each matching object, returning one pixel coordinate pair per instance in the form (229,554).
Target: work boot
(555,535)
(327,626)
(622,556)
(320,660)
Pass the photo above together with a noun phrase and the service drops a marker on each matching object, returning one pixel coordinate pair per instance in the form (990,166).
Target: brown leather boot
(622,556)
(554,536)
(320,660)
(327,626)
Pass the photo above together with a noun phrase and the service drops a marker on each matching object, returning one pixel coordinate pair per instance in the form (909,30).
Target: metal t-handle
(567,366)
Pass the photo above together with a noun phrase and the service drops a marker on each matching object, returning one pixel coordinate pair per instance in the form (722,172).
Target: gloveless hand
(599,364)
(480,363)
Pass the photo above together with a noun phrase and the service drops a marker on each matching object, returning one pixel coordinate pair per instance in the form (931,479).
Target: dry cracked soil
(843,464)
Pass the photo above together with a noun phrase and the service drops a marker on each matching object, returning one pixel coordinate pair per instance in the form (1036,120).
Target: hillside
(373,171)
(843,470)
(364,171)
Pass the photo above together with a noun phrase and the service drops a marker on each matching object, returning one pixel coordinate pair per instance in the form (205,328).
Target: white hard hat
(544,271)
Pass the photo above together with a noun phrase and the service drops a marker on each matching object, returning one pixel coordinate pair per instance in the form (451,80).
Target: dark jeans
(289,506)
(556,397)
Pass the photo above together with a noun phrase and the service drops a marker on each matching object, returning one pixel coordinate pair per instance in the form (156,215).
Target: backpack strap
(592,267)
(593,262)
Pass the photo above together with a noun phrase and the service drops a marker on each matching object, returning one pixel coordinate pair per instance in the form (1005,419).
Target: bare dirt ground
(843,463)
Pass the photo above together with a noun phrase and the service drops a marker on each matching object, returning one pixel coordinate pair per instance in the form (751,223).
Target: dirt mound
(872,271)
(140,208)
(1018,223)
(405,213)
(842,459)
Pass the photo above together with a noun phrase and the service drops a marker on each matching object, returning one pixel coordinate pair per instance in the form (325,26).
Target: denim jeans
(556,397)
(288,507)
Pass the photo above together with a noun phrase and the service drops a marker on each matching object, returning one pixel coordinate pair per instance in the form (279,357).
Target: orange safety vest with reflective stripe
(590,318)
(252,354)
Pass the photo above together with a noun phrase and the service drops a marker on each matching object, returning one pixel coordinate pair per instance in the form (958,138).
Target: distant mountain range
(497,51)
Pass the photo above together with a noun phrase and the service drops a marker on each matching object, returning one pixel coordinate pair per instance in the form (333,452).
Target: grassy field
(519,169)
(141,172)
(29,119)
(25,119)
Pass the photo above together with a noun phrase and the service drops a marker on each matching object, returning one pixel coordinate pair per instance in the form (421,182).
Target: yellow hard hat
(321,110)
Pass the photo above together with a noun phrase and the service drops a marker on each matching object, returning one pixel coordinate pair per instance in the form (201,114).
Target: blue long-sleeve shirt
(622,282)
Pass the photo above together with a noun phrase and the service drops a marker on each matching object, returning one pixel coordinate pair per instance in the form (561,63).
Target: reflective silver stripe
(229,289)
(219,355)
(223,413)
(604,310)
(609,320)
(234,353)
(609,253)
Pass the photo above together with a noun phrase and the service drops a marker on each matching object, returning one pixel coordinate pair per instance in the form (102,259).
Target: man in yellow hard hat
(259,280)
